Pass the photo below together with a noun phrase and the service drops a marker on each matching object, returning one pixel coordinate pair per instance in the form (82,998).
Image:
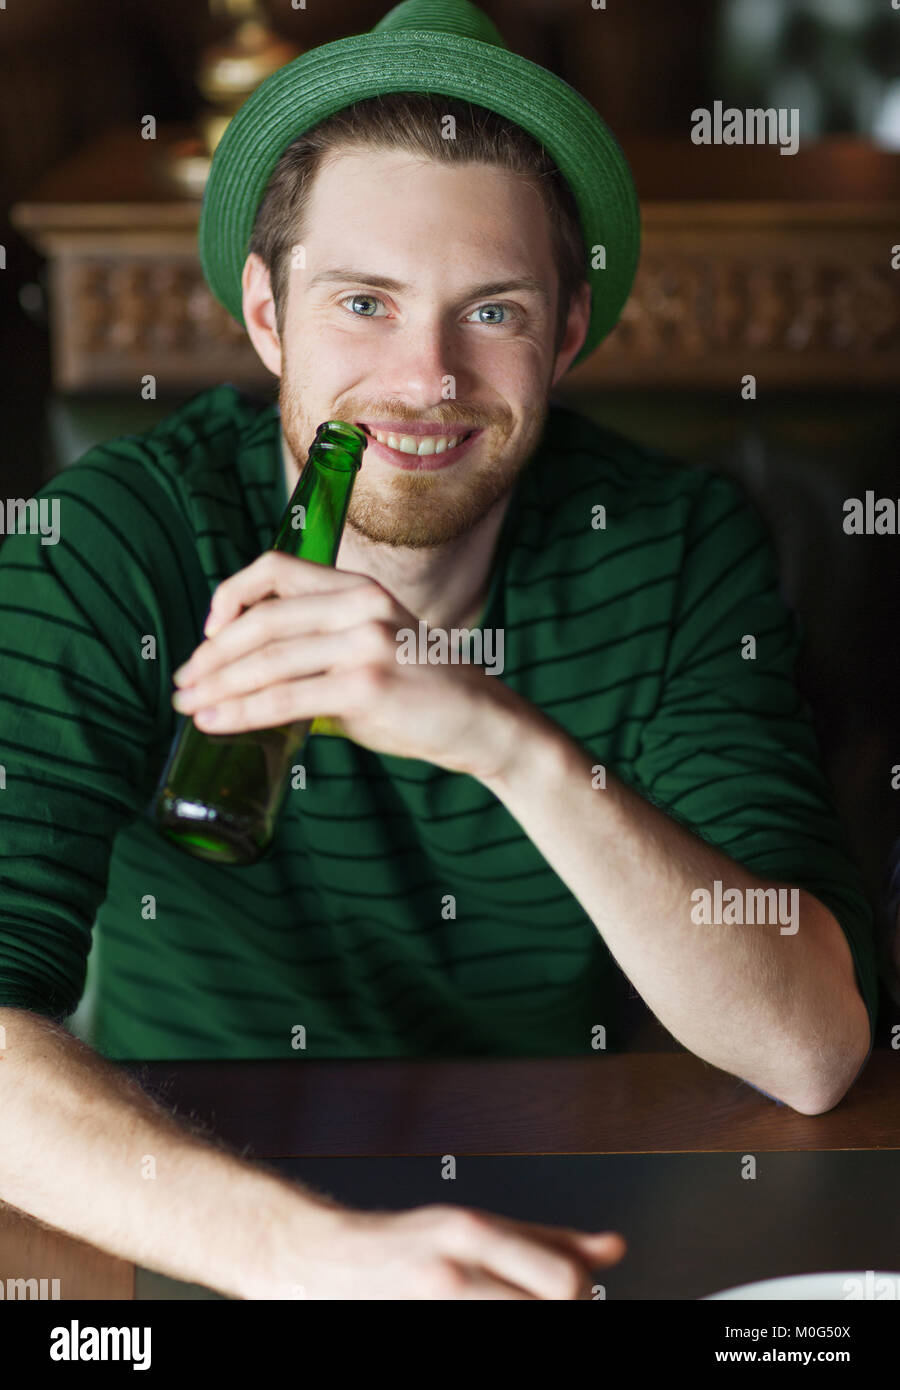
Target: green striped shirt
(628,634)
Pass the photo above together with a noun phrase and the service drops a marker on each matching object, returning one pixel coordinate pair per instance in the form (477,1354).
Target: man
(472,853)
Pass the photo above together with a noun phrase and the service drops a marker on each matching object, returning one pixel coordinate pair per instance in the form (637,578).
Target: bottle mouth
(337,445)
(340,432)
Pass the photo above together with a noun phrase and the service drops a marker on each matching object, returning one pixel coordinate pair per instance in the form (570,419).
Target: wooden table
(655,1103)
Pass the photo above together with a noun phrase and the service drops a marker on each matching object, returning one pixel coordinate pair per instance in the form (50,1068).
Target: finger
(329,696)
(367,607)
(511,1252)
(265,624)
(482,1284)
(592,1250)
(272,664)
(607,1246)
(274,573)
(606,1249)
(600,1248)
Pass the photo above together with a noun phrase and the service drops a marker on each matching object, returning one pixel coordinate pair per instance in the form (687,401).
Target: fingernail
(183,674)
(206,716)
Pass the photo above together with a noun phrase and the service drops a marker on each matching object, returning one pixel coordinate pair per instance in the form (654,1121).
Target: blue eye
(355,299)
(365,299)
(503,308)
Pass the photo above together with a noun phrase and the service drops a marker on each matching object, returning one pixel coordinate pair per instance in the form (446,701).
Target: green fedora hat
(447,47)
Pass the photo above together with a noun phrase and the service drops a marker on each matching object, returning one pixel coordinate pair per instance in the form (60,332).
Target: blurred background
(753,262)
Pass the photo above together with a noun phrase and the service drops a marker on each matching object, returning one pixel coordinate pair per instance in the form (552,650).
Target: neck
(447,585)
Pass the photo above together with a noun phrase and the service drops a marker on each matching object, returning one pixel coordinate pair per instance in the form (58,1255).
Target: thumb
(601,1247)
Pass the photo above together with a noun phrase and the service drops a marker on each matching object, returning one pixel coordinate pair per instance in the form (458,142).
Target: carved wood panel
(804,304)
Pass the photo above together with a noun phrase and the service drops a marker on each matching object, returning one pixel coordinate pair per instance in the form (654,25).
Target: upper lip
(416,429)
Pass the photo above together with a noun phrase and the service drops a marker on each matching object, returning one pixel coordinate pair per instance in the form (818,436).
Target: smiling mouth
(421,445)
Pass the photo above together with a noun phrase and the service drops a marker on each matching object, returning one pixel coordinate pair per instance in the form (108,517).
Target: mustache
(451,417)
(457,421)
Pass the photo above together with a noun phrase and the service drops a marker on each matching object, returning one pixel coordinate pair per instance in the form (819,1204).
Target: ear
(259,313)
(577,326)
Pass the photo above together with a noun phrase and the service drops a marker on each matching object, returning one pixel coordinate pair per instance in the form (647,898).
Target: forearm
(780,1010)
(84,1149)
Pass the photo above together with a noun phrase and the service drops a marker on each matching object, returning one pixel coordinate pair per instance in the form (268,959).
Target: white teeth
(421,445)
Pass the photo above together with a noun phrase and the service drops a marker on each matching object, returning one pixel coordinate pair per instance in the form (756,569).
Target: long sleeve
(84,711)
(731,748)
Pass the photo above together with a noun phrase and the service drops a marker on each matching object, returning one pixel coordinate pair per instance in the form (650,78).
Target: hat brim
(333,76)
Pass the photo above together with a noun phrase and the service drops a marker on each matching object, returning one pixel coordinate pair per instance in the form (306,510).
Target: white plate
(835,1288)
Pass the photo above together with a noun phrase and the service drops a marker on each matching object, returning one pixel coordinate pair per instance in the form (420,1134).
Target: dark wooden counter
(629,1103)
(644,1103)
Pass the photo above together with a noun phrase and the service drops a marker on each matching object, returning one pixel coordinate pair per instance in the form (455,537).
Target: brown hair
(412,121)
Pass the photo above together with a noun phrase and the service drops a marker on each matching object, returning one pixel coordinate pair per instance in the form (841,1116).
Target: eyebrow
(341,276)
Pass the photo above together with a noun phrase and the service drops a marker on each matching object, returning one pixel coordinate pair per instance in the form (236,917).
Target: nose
(424,362)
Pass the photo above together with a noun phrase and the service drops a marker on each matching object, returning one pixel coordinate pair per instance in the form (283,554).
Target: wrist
(288,1223)
(526,748)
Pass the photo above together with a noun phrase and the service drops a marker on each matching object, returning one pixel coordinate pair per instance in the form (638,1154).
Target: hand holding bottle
(219,796)
(326,644)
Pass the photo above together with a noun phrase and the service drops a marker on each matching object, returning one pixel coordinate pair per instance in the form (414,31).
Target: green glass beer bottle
(219,795)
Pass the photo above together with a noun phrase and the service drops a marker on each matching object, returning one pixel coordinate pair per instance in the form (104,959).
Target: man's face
(452,342)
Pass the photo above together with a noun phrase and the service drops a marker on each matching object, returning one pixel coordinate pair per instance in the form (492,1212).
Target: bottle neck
(313,520)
